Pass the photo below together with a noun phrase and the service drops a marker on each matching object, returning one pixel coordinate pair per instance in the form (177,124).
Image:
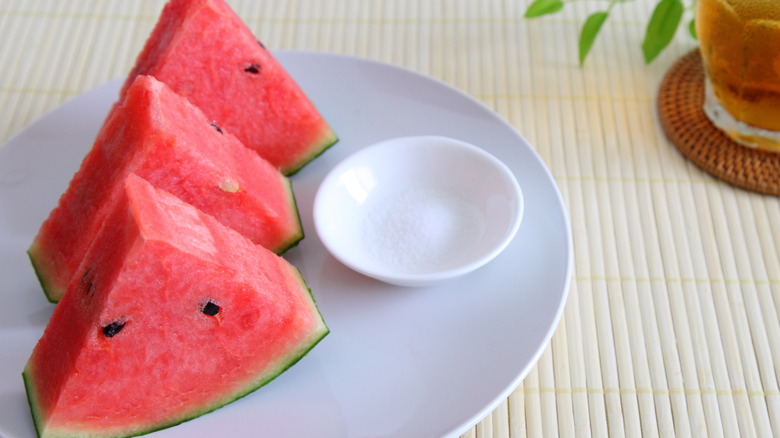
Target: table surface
(672,323)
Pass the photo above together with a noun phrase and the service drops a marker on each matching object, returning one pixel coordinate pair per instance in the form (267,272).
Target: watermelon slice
(172,315)
(204,51)
(160,136)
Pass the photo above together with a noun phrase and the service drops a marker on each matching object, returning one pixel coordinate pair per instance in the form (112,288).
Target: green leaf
(692,28)
(589,32)
(661,28)
(543,7)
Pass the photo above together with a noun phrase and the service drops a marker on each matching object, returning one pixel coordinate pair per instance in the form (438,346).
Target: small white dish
(414,211)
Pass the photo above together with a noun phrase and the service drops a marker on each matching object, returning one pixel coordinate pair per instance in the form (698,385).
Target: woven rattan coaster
(680,100)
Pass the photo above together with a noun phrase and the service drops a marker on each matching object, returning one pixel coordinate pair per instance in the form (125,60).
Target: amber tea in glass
(740,46)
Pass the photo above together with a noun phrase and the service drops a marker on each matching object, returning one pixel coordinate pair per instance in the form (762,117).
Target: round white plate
(398,362)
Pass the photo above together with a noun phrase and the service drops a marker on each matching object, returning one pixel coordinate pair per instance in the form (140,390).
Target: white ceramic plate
(399,362)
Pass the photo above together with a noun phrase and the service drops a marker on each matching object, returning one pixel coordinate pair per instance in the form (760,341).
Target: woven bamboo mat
(672,324)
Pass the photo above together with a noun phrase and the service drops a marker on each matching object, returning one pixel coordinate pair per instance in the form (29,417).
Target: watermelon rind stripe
(250,389)
(327,141)
(40,275)
(284,364)
(294,240)
(31,401)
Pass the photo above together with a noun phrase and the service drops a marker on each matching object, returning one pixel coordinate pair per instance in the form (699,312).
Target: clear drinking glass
(740,46)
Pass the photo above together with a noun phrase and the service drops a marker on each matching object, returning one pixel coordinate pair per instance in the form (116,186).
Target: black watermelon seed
(253,68)
(112,329)
(214,125)
(87,284)
(210,309)
(84,277)
(261,44)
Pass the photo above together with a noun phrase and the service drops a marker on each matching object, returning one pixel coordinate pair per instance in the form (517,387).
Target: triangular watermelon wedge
(205,52)
(172,315)
(162,137)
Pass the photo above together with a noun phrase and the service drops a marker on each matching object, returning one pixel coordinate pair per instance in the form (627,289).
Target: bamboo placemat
(672,324)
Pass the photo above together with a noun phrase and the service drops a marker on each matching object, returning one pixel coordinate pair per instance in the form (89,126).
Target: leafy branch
(660,30)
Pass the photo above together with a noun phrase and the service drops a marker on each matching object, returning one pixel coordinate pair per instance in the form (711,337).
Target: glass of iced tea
(740,46)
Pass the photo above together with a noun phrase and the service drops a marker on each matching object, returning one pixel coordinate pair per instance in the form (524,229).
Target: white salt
(420,229)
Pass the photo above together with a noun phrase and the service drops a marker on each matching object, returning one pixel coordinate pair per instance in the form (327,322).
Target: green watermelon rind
(326,143)
(39,274)
(254,386)
(30,402)
(293,241)
(250,389)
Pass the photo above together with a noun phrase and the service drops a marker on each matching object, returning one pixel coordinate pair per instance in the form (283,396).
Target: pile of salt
(419,229)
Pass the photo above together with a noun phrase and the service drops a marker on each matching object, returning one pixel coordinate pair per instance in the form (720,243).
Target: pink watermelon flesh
(204,51)
(172,315)
(160,136)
